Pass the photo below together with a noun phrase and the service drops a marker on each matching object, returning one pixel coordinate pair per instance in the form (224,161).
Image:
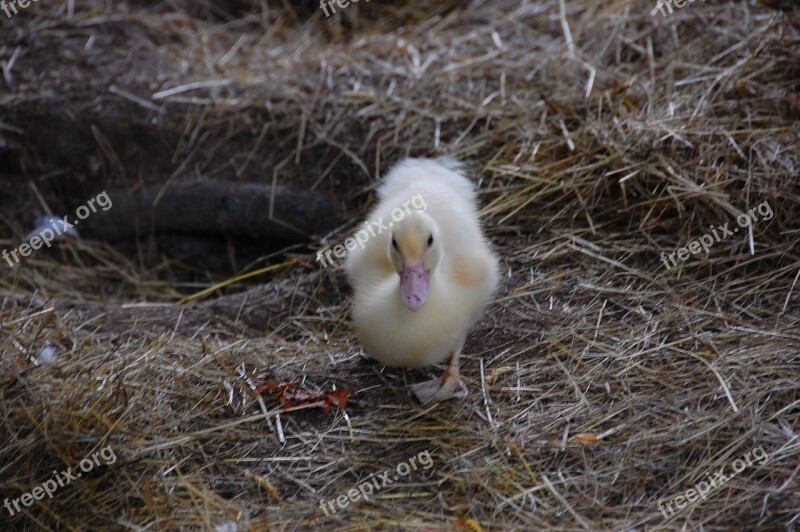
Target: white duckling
(423,282)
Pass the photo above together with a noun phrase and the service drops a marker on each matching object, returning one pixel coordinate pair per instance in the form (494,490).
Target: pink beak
(414,283)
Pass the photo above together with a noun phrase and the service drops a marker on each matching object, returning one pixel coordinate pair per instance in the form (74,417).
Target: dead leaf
(289,397)
(586,438)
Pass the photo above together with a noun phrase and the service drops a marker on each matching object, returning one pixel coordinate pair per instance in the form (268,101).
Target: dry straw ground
(601,382)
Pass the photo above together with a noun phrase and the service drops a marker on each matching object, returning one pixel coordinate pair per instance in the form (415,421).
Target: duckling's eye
(394,243)
(430,240)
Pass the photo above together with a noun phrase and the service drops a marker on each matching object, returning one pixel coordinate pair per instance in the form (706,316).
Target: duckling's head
(415,251)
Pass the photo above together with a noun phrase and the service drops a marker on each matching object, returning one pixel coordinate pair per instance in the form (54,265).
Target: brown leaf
(289,397)
(274,387)
(340,397)
(586,438)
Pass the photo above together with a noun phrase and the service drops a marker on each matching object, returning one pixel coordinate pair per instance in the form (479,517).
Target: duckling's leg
(449,386)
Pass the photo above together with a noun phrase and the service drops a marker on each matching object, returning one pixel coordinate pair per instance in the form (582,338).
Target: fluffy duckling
(421,284)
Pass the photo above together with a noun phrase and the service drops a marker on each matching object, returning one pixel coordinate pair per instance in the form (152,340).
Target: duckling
(422,284)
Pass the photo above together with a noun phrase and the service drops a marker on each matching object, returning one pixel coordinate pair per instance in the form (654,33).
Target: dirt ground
(611,386)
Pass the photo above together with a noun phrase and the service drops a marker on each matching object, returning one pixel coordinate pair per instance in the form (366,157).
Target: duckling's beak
(414,282)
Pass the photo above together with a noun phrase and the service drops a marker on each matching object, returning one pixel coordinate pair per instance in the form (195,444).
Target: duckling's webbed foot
(447,387)
(437,390)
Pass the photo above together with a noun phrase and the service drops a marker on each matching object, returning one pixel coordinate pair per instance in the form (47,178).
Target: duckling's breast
(397,336)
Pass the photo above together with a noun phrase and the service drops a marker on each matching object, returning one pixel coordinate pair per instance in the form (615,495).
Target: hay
(602,382)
